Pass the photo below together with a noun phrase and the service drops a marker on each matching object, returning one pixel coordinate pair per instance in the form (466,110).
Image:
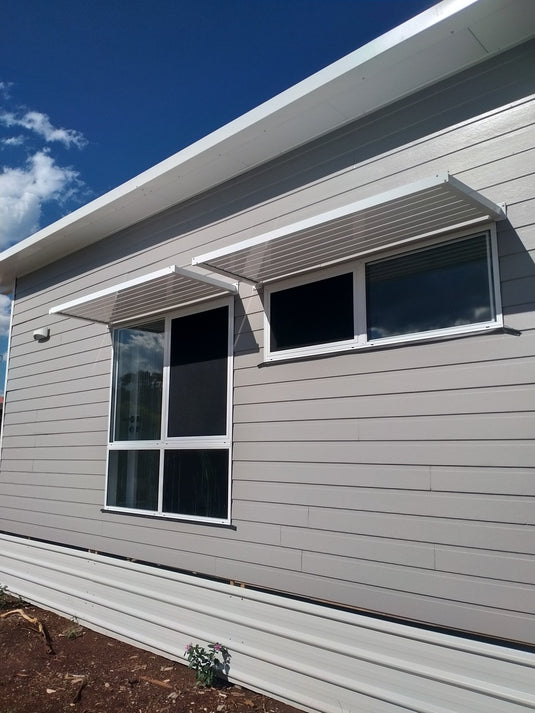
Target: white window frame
(358,269)
(166,443)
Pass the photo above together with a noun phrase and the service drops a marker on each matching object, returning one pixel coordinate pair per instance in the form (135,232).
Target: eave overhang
(403,215)
(448,38)
(146,296)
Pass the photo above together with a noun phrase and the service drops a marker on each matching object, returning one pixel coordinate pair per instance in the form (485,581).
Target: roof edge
(191,170)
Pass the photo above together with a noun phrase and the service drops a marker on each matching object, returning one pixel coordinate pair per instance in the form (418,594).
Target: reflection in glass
(138,353)
(133,479)
(196,482)
(436,288)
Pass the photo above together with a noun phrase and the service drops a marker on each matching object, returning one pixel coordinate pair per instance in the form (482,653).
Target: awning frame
(483,210)
(137,286)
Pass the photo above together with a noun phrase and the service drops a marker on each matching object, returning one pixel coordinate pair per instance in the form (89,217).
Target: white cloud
(33,179)
(5,87)
(5,312)
(40,124)
(24,190)
(13,141)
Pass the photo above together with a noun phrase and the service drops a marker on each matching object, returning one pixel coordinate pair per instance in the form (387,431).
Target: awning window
(409,213)
(157,292)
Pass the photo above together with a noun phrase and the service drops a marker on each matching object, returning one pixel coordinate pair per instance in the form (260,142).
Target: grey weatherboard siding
(399,481)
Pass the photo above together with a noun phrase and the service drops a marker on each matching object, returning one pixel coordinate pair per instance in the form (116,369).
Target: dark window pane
(138,354)
(315,313)
(133,479)
(443,286)
(196,483)
(198,375)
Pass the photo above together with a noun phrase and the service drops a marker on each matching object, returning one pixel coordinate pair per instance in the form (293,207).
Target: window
(443,289)
(169,451)
(314,313)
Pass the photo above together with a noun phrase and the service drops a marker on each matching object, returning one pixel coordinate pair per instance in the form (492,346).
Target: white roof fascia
(147,295)
(447,38)
(401,215)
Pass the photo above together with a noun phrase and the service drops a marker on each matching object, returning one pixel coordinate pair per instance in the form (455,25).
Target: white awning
(409,213)
(155,293)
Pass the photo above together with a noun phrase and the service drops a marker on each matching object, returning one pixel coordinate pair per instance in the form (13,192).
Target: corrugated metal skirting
(310,656)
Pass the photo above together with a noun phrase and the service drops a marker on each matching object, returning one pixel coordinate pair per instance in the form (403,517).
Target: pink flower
(217,647)
(188,647)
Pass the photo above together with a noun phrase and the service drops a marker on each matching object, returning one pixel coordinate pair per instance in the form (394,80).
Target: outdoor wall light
(41,335)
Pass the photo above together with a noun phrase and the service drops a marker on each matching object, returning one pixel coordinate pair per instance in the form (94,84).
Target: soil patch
(53,665)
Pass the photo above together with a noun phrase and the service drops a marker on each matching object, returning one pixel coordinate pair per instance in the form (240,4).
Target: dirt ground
(53,665)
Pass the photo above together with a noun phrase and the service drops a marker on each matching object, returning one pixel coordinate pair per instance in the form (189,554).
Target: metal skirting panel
(313,657)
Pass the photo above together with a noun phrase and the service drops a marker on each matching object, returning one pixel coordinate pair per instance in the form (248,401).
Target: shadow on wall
(517,274)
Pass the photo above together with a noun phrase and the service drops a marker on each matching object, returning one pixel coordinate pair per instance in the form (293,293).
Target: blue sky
(93,93)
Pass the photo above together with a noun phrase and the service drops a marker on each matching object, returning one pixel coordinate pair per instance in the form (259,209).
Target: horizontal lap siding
(410,470)
(399,480)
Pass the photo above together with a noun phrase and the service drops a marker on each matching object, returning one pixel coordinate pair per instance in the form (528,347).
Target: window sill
(498,329)
(168,518)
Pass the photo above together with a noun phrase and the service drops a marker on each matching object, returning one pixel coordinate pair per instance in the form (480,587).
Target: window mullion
(165,380)
(160,479)
(165,408)
(494,275)
(359,303)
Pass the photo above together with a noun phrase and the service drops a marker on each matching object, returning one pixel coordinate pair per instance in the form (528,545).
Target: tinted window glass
(133,479)
(445,286)
(198,374)
(138,354)
(196,482)
(315,313)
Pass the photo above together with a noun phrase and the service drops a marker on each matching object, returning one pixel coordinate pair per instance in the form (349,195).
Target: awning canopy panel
(409,213)
(151,294)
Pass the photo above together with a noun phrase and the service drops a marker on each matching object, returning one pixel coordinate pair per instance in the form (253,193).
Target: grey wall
(398,481)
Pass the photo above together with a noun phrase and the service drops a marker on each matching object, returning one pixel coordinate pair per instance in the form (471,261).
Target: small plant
(208,663)
(74,631)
